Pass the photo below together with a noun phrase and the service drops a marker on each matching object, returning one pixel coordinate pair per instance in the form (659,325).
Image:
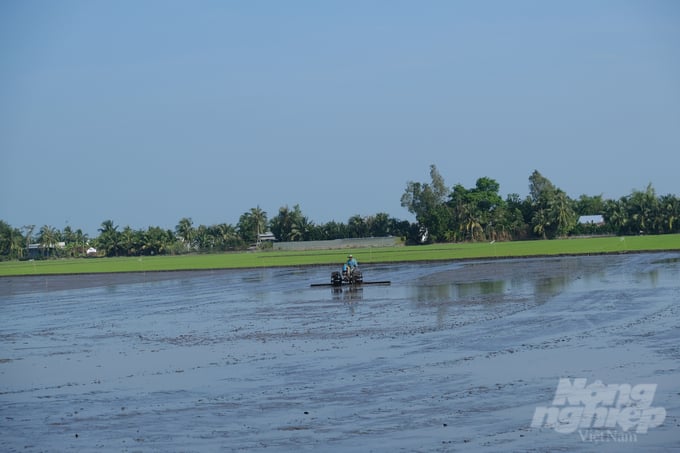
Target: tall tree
(16,244)
(541,190)
(204,239)
(286,225)
(260,220)
(227,236)
(560,209)
(185,232)
(282,225)
(476,210)
(540,222)
(518,216)
(428,203)
(28,235)
(615,215)
(11,242)
(48,237)
(157,241)
(129,241)
(553,213)
(80,240)
(251,224)
(334,230)
(669,214)
(109,238)
(357,227)
(379,225)
(303,228)
(642,210)
(589,205)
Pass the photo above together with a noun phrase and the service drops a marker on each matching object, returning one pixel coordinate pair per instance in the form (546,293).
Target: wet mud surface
(450,357)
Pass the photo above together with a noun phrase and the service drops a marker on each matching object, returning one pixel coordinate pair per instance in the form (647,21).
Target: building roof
(597,219)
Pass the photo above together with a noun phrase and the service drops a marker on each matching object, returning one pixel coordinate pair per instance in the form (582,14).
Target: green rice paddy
(434,252)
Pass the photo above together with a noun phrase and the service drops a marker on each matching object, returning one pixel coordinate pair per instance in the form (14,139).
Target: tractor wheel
(336,279)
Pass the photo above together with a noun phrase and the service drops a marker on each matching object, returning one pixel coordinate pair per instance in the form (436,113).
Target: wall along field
(434,252)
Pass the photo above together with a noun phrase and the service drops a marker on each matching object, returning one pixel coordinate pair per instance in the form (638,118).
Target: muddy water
(451,356)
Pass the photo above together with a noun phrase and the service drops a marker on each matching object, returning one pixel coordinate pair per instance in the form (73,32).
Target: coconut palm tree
(28,235)
(615,215)
(540,223)
(561,213)
(16,244)
(669,212)
(48,238)
(334,230)
(379,225)
(80,240)
(302,230)
(156,241)
(11,242)
(259,219)
(282,225)
(226,236)
(204,239)
(642,210)
(251,224)
(128,241)
(357,227)
(186,232)
(109,238)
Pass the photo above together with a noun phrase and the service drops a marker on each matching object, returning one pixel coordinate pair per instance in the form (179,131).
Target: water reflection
(349,295)
(455,291)
(652,276)
(433,293)
(461,299)
(549,287)
(490,289)
(253,277)
(480,288)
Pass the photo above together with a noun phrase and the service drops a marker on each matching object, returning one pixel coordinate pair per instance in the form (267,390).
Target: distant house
(596,219)
(34,251)
(41,250)
(268,236)
(263,237)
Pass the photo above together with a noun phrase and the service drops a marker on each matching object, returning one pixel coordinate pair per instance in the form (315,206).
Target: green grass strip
(434,252)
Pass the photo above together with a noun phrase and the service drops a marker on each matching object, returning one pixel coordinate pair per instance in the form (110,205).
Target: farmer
(349,266)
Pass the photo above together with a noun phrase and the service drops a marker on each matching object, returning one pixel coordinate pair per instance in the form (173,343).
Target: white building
(591,219)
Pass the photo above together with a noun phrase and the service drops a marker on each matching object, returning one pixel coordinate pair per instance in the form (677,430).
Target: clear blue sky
(145,112)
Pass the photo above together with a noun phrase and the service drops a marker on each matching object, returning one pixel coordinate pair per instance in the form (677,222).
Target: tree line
(442,214)
(288,225)
(481,214)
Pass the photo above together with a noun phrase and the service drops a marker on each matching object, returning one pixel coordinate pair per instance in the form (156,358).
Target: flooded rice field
(449,357)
